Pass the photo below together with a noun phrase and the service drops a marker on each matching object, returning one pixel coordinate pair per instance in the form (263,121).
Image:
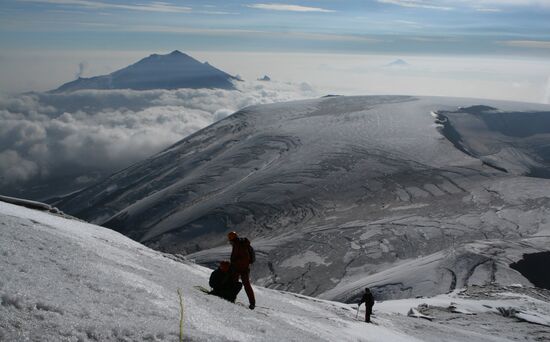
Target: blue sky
(503,27)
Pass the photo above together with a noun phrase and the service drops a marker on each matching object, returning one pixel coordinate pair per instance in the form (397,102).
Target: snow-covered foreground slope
(65,280)
(334,190)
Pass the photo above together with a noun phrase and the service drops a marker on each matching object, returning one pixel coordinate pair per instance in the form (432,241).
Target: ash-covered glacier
(409,195)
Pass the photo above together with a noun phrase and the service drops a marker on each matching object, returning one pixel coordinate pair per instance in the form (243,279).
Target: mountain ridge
(170,71)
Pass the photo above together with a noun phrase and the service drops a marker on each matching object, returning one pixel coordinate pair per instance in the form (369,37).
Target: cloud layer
(454,4)
(155,6)
(288,8)
(88,134)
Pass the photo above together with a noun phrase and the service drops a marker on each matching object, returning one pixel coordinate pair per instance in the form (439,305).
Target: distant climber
(242,255)
(223,284)
(368,299)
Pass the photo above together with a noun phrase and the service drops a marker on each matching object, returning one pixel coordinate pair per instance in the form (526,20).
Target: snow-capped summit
(171,71)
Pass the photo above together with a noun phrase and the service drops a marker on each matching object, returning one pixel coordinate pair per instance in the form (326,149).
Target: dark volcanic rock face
(335,194)
(534,267)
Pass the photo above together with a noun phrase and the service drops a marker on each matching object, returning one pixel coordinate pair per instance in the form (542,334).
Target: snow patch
(301,260)
(412,206)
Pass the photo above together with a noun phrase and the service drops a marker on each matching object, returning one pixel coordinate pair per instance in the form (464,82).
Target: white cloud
(90,132)
(408,22)
(478,5)
(150,7)
(489,10)
(541,3)
(221,114)
(256,33)
(19,169)
(535,44)
(328,37)
(419,4)
(288,8)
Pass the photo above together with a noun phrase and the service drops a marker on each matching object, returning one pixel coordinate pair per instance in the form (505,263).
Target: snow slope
(65,280)
(334,190)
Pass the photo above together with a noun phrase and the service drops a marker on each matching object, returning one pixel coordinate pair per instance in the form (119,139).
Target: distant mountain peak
(398,63)
(170,71)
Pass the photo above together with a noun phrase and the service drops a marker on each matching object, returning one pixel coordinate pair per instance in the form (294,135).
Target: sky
(45,43)
(357,26)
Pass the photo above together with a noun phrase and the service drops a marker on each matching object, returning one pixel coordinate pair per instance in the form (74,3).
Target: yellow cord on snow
(181,315)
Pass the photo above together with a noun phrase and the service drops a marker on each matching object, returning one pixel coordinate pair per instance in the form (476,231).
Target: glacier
(339,193)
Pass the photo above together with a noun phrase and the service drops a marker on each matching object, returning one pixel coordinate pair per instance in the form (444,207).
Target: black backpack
(251,254)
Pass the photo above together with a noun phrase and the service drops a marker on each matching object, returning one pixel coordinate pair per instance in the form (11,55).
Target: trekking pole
(357,314)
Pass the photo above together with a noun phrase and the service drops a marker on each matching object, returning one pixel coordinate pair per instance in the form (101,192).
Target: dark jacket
(223,285)
(240,255)
(220,279)
(368,299)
